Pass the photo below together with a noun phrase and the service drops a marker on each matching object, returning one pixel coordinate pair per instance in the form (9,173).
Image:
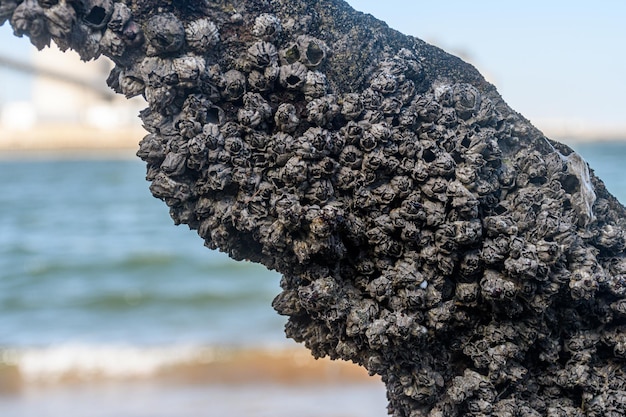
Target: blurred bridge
(94,85)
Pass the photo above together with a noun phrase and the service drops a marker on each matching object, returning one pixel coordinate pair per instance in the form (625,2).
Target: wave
(80,363)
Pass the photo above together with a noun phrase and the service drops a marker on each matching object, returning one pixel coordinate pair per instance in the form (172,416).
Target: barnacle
(322,111)
(188,69)
(165,34)
(120,17)
(112,44)
(29,19)
(201,34)
(267,26)
(293,76)
(61,18)
(315,85)
(312,51)
(263,82)
(97,13)
(7,7)
(255,111)
(262,54)
(351,106)
(233,85)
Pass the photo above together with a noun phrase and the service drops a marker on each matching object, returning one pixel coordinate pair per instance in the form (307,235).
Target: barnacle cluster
(424,230)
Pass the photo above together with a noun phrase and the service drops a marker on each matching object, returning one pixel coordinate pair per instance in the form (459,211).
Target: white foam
(79,361)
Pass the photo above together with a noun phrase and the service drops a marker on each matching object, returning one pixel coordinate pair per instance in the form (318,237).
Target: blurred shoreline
(71,140)
(77,364)
(261,382)
(283,382)
(69,137)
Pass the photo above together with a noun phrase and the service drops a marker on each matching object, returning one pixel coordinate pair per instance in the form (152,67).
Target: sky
(559,63)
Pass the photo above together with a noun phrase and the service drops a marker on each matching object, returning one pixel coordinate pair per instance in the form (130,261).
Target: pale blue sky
(559,63)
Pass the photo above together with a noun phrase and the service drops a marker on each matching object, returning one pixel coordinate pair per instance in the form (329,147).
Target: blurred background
(106,309)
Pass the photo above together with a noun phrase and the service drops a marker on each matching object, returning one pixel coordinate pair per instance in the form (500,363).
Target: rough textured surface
(424,229)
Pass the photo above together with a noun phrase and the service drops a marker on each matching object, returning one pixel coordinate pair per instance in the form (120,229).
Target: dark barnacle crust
(424,229)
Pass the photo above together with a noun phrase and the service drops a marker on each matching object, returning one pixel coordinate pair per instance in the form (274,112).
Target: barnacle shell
(312,51)
(61,18)
(315,85)
(234,85)
(189,69)
(262,54)
(120,17)
(165,34)
(267,26)
(97,13)
(201,34)
(7,7)
(293,76)
(29,19)
(286,118)
(112,44)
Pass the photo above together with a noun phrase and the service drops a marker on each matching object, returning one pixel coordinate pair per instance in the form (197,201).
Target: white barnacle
(201,34)
(267,26)
(189,69)
(585,197)
(262,54)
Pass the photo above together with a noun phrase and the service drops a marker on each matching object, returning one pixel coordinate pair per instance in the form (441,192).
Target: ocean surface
(108,309)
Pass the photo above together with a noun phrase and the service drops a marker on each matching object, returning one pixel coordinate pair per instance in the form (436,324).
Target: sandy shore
(280,382)
(68,138)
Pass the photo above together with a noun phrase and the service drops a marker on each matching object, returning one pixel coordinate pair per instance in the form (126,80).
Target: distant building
(70,107)
(88,101)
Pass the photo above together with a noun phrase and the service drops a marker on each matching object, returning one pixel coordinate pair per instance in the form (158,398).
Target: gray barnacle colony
(424,229)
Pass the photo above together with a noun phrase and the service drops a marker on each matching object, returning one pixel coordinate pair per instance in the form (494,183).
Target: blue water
(87,255)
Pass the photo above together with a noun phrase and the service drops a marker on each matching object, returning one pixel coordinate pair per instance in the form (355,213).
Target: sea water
(100,293)
(108,309)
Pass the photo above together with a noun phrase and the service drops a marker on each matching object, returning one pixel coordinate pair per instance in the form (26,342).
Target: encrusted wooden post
(424,229)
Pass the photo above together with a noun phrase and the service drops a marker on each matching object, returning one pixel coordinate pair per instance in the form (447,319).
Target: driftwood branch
(424,229)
